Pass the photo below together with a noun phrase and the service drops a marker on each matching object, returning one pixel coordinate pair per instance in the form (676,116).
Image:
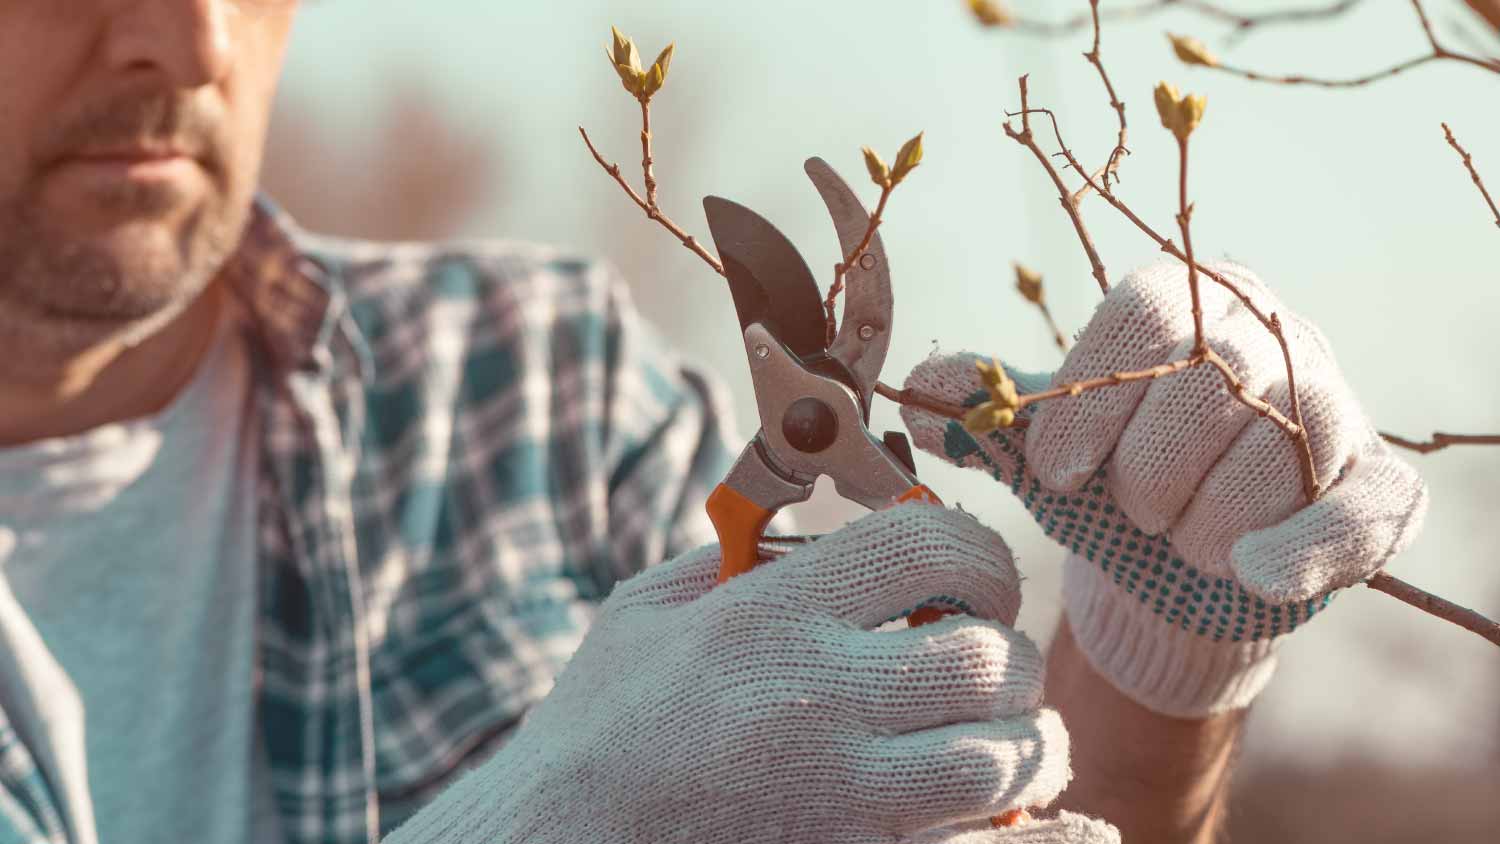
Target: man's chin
(106,272)
(118,286)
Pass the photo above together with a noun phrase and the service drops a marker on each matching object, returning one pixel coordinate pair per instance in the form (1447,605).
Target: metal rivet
(867,261)
(762,351)
(866,331)
(809,425)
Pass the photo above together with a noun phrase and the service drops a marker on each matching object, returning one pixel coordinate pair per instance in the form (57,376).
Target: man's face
(131,134)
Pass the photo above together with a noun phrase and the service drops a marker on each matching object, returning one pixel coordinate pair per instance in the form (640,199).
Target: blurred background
(458,118)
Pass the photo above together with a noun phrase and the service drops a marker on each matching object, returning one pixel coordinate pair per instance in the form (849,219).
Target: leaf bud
(907,159)
(1029,283)
(1191,51)
(879,173)
(991,13)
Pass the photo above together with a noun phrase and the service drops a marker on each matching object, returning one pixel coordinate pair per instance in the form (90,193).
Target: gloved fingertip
(675,581)
(1066,828)
(1074,828)
(1277,574)
(1374,513)
(1056,475)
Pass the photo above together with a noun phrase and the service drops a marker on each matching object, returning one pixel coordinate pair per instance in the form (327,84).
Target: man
(294,531)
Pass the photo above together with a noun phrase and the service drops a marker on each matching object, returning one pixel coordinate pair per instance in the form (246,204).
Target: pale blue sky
(1348,203)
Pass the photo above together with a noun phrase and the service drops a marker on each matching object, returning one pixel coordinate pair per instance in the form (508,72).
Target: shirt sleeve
(666,442)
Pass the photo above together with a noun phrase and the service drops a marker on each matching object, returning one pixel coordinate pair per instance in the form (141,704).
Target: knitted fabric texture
(1067,826)
(1193,548)
(770,710)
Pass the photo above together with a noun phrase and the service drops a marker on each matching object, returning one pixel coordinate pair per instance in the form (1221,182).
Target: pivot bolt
(809,425)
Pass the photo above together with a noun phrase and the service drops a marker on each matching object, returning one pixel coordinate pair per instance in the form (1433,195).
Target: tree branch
(1112,165)
(1473,173)
(1380,581)
(1057,335)
(1293,427)
(650,178)
(1242,23)
(650,207)
(1433,605)
(1440,441)
(1438,53)
(1066,197)
(1184,215)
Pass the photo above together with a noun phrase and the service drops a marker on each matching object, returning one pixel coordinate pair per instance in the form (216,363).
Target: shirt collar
(290,297)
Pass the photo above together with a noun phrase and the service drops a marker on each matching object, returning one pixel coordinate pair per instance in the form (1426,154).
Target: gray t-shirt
(130,549)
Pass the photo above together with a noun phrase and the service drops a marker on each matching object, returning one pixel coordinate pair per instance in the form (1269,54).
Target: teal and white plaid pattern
(464,448)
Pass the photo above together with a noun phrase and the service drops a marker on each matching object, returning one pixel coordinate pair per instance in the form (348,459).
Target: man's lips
(135,152)
(134,163)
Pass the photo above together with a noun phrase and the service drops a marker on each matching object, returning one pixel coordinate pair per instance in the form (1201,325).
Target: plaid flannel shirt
(463,449)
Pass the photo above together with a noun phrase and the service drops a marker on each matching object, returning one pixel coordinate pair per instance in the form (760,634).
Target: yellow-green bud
(987,417)
(1179,114)
(991,13)
(1002,390)
(879,173)
(1029,283)
(1191,51)
(907,159)
(664,61)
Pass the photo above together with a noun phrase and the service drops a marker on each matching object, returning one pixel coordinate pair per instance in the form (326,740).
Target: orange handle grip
(740,523)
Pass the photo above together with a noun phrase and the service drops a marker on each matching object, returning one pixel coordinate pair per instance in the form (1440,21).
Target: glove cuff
(1157,664)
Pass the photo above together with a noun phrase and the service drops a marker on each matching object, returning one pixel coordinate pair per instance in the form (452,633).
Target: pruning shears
(813,396)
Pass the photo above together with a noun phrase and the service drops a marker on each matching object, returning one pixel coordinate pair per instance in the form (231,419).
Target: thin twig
(1309,469)
(1111,167)
(1433,605)
(1437,53)
(1242,23)
(650,178)
(842,268)
(1272,324)
(1184,217)
(1073,389)
(916,398)
(1426,26)
(1078,388)
(1473,173)
(1057,335)
(1440,441)
(651,210)
(1380,581)
(1293,427)
(1066,197)
(1297,79)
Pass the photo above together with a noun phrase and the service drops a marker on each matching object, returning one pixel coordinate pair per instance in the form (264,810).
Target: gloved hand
(1192,547)
(768,711)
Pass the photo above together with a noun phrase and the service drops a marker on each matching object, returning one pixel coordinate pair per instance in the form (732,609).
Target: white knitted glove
(768,710)
(1191,549)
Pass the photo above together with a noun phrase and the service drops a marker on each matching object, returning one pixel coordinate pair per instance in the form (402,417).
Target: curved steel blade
(768,278)
(865,334)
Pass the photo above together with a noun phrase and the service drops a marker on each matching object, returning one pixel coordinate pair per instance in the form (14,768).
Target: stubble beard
(62,295)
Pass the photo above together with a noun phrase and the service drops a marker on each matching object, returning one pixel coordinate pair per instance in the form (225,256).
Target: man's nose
(187,41)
